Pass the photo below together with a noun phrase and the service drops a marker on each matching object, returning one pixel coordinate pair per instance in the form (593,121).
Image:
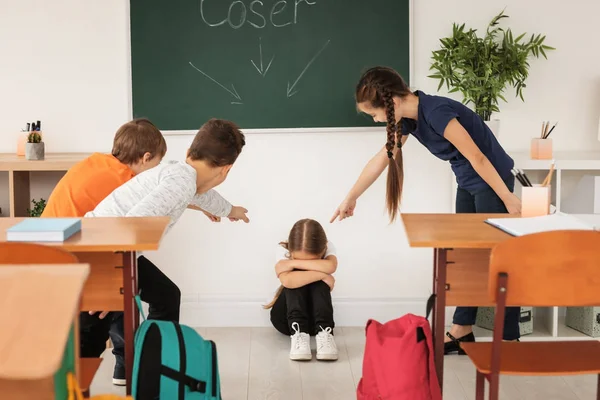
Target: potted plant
(481,68)
(38,208)
(34,148)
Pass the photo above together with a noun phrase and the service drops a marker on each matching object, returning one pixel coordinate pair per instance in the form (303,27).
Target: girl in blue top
(452,132)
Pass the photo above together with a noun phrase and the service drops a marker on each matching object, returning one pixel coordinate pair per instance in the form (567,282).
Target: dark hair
(136,138)
(306,235)
(378,86)
(218,142)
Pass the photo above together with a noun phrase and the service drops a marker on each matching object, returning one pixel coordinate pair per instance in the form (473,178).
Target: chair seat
(538,358)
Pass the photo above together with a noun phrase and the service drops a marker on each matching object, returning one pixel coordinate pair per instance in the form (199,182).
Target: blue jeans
(485,200)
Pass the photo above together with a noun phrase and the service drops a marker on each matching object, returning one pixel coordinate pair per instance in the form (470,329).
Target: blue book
(43,230)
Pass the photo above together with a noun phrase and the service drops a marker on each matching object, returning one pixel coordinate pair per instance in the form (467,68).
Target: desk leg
(439,312)
(131,316)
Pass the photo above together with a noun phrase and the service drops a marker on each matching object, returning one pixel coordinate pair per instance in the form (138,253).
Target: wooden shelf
(52,162)
(19,169)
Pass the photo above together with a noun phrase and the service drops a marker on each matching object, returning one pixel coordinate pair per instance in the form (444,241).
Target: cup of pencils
(541,148)
(535,198)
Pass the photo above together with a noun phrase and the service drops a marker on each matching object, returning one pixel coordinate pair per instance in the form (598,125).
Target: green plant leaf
(441,84)
(543,52)
(548,47)
(519,37)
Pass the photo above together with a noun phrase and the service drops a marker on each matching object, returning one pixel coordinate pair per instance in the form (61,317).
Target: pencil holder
(21,140)
(541,149)
(535,201)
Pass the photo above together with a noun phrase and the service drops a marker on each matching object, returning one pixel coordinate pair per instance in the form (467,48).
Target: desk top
(108,234)
(453,231)
(52,162)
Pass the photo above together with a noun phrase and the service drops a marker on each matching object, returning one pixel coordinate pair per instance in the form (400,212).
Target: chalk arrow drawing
(233,92)
(290,89)
(263,71)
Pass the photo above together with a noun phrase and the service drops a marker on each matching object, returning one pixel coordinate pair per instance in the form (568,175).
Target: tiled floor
(254,365)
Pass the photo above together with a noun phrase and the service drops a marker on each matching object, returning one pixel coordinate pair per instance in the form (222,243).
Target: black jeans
(310,306)
(485,201)
(156,289)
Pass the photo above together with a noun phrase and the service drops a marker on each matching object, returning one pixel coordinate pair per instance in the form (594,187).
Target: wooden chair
(560,268)
(31,253)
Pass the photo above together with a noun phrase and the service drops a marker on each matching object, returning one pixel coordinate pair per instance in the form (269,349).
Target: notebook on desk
(552,222)
(43,230)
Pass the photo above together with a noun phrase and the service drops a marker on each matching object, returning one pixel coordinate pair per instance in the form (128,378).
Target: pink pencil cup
(541,149)
(22,139)
(535,201)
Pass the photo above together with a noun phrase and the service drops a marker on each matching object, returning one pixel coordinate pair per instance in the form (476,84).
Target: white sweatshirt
(165,190)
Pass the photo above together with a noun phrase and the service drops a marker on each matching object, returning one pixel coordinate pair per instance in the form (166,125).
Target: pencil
(518,176)
(548,134)
(546,129)
(549,176)
(542,134)
(527,181)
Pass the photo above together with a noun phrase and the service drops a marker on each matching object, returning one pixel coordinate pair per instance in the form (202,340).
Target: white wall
(69,68)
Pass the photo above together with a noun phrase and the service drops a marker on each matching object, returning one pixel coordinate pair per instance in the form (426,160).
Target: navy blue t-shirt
(435,113)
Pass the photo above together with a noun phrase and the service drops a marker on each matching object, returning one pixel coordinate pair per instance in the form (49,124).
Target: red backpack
(398,362)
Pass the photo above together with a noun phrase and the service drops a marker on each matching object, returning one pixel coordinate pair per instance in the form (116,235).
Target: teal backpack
(173,362)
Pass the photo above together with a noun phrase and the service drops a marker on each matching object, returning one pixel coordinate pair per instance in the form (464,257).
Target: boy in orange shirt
(138,146)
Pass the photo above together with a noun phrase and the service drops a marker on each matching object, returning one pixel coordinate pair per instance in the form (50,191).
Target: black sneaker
(119,375)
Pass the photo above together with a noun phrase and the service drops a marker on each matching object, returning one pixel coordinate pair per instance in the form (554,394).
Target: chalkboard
(261,63)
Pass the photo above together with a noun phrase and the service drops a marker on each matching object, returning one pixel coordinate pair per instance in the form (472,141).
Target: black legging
(310,306)
(157,290)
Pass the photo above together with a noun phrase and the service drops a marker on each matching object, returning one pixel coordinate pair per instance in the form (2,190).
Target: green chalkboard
(261,63)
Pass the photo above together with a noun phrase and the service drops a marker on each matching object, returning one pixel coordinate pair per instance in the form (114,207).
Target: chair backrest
(31,253)
(560,268)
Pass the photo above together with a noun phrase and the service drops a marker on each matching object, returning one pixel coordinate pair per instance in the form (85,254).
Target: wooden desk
(109,246)
(462,244)
(19,168)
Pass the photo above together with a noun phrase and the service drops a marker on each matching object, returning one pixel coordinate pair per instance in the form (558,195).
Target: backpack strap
(195,385)
(430,304)
(138,302)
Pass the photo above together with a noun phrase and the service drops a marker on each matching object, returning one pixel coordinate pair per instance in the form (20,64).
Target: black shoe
(119,375)
(453,345)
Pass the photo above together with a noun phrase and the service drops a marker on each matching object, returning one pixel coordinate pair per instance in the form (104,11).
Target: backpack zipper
(214,368)
(182,358)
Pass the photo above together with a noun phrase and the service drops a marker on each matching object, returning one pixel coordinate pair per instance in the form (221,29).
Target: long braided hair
(378,86)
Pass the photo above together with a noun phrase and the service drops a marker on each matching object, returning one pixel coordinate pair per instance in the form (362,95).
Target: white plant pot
(494,126)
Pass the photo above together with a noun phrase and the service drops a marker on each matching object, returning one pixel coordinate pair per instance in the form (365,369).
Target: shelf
(540,333)
(584,160)
(566,333)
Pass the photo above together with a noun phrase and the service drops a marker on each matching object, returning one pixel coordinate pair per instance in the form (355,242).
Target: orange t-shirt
(85,185)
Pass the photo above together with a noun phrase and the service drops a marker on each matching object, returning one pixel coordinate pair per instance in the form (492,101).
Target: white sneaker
(300,350)
(326,347)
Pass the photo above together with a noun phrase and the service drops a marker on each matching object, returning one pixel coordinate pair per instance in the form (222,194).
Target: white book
(546,223)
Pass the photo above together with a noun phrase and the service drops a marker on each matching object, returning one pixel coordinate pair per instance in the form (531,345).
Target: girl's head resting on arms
(215,148)
(382,93)
(307,241)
